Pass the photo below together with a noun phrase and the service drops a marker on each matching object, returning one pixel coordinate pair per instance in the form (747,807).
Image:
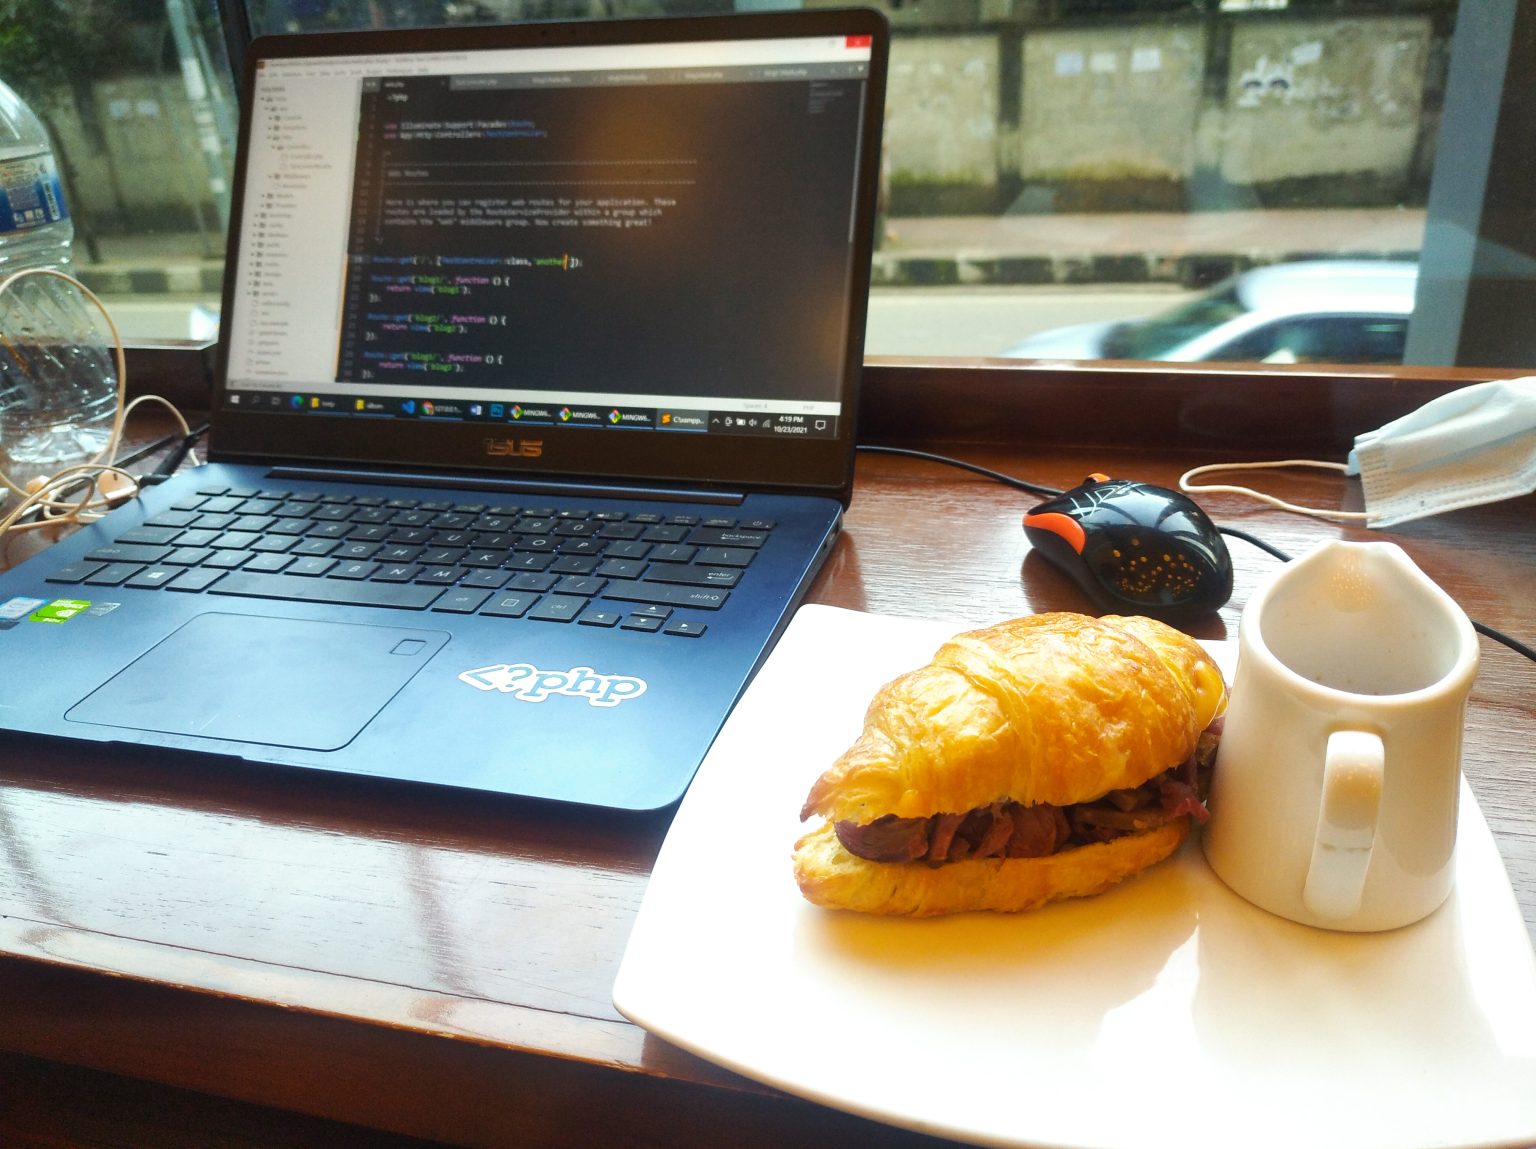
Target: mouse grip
(1063,526)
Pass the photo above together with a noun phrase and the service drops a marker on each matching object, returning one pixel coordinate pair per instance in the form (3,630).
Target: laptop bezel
(705,461)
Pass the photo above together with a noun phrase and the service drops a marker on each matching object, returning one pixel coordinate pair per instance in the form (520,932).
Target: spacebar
(338,592)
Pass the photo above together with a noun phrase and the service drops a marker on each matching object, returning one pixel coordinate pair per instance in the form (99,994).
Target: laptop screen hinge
(508,486)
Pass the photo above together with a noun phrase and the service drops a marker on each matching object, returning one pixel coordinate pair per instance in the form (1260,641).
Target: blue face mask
(1474,445)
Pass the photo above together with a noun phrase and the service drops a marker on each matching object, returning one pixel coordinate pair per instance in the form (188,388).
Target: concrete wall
(1113,109)
(1310,98)
(1292,110)
(1235,110)
(942,125)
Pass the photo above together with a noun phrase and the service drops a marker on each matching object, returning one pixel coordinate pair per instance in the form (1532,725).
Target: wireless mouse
(1134,548)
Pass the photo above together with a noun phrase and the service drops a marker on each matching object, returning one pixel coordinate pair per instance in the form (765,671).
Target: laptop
(532,421)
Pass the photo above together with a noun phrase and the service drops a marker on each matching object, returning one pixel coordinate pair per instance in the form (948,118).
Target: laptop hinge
(507,486)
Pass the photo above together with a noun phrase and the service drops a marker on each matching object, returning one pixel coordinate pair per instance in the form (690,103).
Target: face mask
(1475,445)
(1471,446)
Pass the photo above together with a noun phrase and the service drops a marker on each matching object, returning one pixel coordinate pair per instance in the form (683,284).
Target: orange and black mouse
(1135,548)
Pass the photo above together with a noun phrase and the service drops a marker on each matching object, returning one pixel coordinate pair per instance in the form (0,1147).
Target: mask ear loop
(1316,512)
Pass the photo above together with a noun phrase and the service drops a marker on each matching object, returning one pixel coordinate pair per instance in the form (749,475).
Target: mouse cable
(1019,484)
(1007,480)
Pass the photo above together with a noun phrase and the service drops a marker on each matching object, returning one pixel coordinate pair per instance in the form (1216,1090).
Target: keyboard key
(687,575)
(354,570)
(268,563)
(128,553)
(634,550)
(489,579)
(316,547)
(151,577)
(188,556)
(312,566)
(150,536)
(674,553)
(703,598)
(75,572)
(642,623)
(397,572)
(724,556)
(196,579)
(461,600)
(113,574)
(226,560)
(511,605)
(718,537)
(338,592)
(558,608)
(665,534)
(604,618)
(685,628)
(440,575)
(535,582)
(584,585)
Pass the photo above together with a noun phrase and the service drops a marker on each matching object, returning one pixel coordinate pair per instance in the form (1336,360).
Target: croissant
(1042,758)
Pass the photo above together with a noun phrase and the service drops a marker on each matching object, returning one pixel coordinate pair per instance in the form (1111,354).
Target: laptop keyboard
(606,568)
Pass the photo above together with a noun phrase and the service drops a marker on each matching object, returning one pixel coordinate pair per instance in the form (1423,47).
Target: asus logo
(522,448)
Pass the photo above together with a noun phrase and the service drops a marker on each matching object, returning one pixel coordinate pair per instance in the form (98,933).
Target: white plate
(1167,1012)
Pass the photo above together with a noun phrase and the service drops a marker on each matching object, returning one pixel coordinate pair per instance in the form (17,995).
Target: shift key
(128,553)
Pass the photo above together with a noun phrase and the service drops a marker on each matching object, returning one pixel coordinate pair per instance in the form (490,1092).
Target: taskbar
(687,420)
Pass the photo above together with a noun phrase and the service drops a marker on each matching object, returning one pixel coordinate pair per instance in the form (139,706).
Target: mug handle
(1353,769)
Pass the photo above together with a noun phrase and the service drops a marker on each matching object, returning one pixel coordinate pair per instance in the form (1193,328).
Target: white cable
(1316,512)
(52,493)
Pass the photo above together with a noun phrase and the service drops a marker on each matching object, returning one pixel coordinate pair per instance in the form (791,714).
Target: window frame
(1155,404)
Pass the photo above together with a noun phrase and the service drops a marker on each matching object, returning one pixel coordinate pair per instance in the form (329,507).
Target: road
(988,320)
(902,320)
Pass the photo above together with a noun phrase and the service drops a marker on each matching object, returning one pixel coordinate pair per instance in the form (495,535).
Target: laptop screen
(488,248)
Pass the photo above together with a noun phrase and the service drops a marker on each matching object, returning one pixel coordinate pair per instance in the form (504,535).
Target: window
(1099,175)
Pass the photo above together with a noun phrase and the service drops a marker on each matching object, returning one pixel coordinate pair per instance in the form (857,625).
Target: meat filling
(1007,829)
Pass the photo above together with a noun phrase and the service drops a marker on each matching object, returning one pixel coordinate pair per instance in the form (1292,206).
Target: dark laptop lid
(635,251)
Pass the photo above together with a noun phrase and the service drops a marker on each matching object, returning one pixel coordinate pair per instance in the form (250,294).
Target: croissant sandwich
(1046,757)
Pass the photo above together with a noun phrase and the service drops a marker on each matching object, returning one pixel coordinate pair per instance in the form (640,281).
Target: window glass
(1074,179)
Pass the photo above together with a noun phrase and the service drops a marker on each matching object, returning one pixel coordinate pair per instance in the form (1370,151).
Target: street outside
(964,318)
(989,320)
(907,321)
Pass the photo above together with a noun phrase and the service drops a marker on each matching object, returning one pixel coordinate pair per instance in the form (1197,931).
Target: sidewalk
(1152,247)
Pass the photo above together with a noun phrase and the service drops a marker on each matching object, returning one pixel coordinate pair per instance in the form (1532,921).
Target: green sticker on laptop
(59,610)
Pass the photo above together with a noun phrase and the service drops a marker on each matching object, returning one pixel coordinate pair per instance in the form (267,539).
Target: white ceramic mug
(1334,797)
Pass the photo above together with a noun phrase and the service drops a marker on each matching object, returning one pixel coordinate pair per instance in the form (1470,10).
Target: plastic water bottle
(58,389)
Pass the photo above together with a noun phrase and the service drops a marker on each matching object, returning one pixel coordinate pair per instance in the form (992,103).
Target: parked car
(1318,311)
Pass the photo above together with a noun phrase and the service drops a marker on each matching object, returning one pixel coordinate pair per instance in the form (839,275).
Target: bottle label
(30,193)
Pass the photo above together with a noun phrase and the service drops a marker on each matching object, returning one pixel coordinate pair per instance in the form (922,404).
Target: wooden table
(225,950)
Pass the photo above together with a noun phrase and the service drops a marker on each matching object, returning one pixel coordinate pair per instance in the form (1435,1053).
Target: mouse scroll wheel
(1059,524)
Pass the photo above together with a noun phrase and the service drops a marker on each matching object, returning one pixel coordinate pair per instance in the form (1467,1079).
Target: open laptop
(533,416)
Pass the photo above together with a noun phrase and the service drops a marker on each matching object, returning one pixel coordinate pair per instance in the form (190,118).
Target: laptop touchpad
(278,681)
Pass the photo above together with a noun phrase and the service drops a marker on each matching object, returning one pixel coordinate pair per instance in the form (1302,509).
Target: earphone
(86,491)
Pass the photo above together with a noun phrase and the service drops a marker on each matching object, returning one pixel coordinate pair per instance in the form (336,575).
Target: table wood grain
(438,965)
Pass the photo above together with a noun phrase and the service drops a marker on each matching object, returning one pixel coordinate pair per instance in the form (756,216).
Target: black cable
(1255,541)
(172,461)
(1019,484)
(1514,644)
(1007,480)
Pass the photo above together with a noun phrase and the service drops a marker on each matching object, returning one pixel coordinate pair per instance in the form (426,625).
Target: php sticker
(524,681)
